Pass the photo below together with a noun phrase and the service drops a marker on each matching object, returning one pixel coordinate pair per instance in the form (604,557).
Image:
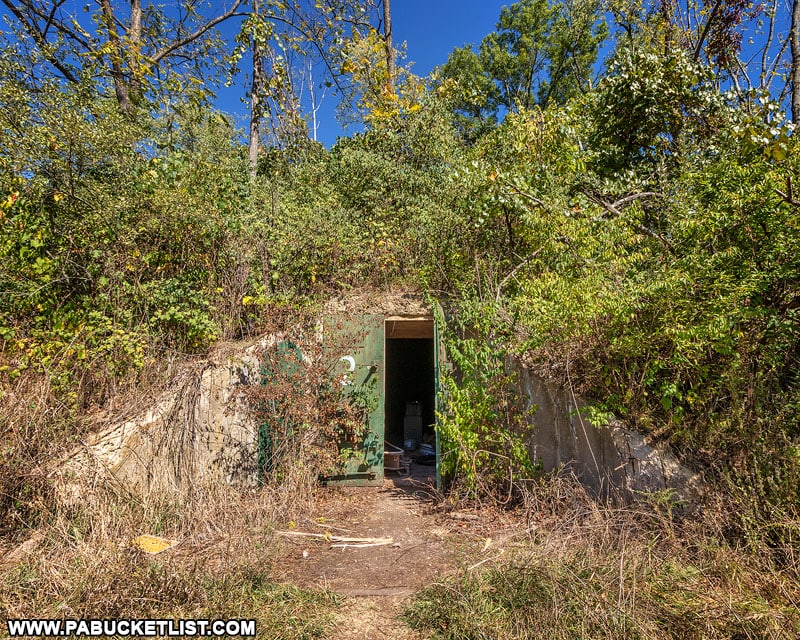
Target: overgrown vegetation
(584,570)
(482,424)
(82,565)
(633,235)
(312,423)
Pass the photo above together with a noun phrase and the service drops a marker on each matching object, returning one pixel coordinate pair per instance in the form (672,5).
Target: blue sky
(433,29)
(430,29)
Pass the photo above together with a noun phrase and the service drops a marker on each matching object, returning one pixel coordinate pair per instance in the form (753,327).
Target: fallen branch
(346,545)
(478,564)
(329,538)
(330,526)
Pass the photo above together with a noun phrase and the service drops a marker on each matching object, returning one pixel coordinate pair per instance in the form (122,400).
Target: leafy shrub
(481,424)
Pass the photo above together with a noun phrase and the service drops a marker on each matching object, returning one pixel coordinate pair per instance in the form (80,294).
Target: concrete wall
(604,457)
(198,432)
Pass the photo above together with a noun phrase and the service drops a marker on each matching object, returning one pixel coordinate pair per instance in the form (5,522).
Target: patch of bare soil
(376,580)
(427,544)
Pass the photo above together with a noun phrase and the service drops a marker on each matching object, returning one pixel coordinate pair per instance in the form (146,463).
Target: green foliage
(181,315)
(373,198)
(660,280)
(649,106)
(636,238)
(120,245)
(145,57)
(472,93)
(541,53)
(482,426)
(638,244)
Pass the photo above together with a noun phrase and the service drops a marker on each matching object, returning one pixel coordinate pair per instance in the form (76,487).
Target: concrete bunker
(201,431)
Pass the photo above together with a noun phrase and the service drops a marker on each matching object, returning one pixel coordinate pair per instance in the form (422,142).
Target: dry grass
(45,413)
(586,570)
(67,558)
(82,564)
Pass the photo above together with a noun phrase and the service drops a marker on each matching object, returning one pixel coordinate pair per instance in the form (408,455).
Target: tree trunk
(117,56)
(255,99)
(794,36)
(666,16)
(135,38)
(122,52)
(387,36)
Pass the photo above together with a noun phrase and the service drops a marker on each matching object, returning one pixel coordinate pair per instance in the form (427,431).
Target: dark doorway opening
(410,378)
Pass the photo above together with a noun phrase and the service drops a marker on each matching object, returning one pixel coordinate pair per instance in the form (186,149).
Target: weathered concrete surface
(198,432)
(394,302)
(651,467)
(605,458)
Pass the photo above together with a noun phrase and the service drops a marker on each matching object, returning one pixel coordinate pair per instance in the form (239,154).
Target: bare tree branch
(794,36)
(49,19)
(616,209)
(773,71)
(387,38)
(706,28)
(768,43)
(315,43)
(514,271)
(526,195)
(182,42)
(636,196)
(120,88)
(49,22)
(788,197)
(41,42)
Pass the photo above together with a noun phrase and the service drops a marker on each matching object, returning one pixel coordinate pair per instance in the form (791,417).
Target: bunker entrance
(410,391)
(390,365)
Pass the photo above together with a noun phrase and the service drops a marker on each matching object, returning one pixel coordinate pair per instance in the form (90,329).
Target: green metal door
(439,364)
(354,349)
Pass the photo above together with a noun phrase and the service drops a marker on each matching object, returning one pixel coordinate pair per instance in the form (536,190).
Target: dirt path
(375,580)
